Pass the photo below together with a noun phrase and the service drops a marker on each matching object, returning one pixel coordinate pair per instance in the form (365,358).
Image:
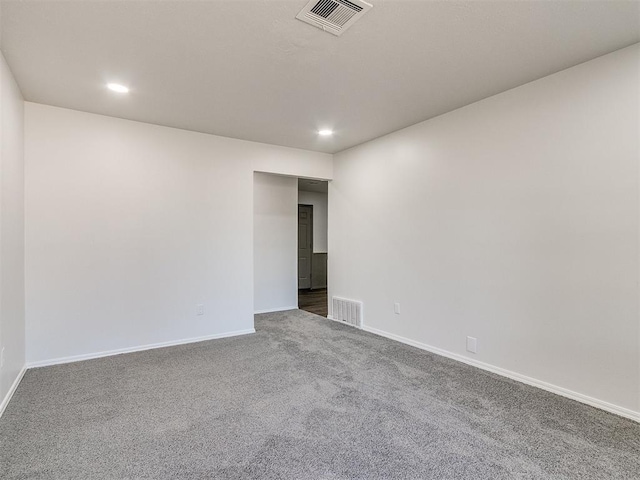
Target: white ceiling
(250,70)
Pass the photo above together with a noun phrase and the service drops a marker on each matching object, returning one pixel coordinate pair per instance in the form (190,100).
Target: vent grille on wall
(333,16)
(347,311)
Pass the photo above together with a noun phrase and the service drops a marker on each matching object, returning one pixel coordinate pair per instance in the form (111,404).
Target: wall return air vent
(333,16)
(347,311)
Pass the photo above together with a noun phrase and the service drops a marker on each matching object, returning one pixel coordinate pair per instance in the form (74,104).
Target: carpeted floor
(303,398)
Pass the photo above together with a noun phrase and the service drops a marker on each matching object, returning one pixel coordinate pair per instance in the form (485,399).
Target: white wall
(320,209)
(12,319)
(275,224)
(513,220)
(130,226)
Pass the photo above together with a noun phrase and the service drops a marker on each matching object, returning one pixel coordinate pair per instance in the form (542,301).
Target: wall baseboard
(273,310)
(140,348)
(609,407)
(344,323)
(579,397)
(12,390)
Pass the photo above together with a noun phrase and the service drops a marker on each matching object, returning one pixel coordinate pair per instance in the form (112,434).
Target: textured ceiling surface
(250,70)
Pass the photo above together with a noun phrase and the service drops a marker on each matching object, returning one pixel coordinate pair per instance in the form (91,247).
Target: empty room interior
(326,239)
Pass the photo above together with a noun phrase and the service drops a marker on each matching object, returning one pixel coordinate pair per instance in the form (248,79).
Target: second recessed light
(116,87)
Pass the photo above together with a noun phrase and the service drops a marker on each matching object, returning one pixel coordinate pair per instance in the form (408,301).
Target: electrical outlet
(396,308)
(2,358)
(200,309)
(472,344)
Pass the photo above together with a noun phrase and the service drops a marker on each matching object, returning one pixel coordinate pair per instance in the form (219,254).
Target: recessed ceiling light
(116,87)
(325,133)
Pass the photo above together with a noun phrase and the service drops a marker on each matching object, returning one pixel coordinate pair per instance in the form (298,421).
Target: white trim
(594,402)
(277,309)
(140,348)
(12,390)
(345,323)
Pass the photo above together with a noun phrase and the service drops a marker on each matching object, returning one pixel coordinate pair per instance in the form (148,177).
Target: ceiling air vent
(333,16)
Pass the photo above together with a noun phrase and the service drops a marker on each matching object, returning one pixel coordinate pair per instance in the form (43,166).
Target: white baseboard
(12,390)
(609,407)
(344,323)
(278,309)
(108,353)
(594,402)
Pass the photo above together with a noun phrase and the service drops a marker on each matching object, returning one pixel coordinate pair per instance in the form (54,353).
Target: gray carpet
(302,398)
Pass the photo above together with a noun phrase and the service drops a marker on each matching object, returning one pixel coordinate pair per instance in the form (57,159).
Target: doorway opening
(312,246)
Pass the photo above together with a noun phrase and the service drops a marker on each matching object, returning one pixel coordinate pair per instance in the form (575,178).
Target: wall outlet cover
(472,344)
(200,309)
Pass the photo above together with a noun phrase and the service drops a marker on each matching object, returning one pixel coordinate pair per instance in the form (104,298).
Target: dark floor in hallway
(313,301)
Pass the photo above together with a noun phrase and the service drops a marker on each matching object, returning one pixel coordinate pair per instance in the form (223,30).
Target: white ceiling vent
(333,16)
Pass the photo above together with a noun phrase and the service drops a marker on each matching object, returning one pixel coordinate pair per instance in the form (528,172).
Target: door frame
(310,253)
